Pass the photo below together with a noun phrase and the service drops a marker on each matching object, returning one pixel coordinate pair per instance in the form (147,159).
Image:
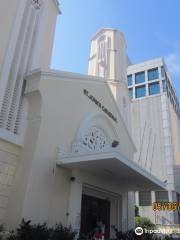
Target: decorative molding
(94,140)
(36,4)
(95,135)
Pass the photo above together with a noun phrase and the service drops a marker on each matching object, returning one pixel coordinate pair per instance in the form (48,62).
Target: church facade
(66,144)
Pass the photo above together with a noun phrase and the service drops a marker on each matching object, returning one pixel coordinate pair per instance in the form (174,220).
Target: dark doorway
(92,210)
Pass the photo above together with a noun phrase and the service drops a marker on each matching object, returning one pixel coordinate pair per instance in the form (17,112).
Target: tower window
(101,49)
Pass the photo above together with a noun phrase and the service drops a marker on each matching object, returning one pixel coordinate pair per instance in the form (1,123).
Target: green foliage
(1,228)
(63,233)
(130,235)
(144,223)
(1,231)
(168,237)
(137,211)
(28,231)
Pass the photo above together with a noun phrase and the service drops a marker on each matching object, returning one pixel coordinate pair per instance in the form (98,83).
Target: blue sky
(151,29)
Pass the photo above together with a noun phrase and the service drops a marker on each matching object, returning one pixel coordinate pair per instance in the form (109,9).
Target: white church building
(68,151)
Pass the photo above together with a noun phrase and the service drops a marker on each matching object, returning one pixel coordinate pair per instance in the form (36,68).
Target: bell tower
(108,56)
(27,32)
(109,60)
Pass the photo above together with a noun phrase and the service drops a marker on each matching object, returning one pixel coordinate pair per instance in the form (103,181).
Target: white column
(146,82)
(124,211)
(153,198)
(172,214)
(119,215)
(74,213)
(131,210)
(133,85)
(137,198)
(128,211)
(160,79)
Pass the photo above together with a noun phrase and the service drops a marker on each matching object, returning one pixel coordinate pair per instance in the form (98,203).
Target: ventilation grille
(12,105)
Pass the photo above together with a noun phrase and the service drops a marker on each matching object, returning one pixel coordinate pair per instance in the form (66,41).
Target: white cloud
(173,63)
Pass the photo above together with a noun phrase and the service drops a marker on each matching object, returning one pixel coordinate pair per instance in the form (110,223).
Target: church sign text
(99,104)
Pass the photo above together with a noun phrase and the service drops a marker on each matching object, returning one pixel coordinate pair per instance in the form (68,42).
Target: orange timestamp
(166,206)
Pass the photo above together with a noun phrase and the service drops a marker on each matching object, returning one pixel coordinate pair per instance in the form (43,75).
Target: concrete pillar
(134,89)
(153,198)
(119,216)
(137,198)
(146,82)
(128,211)
(131,210)
(174,218)
(124,211)
(74,213)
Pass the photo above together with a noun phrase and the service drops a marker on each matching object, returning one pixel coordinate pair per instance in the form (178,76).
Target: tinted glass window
(153,74)
(140,91)
(140,77)
(154,88)
(129,80)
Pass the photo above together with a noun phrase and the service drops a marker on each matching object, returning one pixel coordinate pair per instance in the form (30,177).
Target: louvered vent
(5,106)
(12,105)
(18,118)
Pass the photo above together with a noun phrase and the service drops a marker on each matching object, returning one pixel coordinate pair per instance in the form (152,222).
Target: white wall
(56,107)
(9,160)
(147,132)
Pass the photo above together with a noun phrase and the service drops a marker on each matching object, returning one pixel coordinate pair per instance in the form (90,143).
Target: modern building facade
(68,149)
(155,129)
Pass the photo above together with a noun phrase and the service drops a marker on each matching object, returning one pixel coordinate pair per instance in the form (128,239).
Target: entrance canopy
(112,165)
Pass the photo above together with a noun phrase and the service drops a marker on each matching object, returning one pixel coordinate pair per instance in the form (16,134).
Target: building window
(129,80)
(130,92)
(145,198)
(153,74)
(161,196)
(154,88)
(140,91)
(101,49)
(139,77)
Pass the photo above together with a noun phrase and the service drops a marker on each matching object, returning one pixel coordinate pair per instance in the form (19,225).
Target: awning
(116,167)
